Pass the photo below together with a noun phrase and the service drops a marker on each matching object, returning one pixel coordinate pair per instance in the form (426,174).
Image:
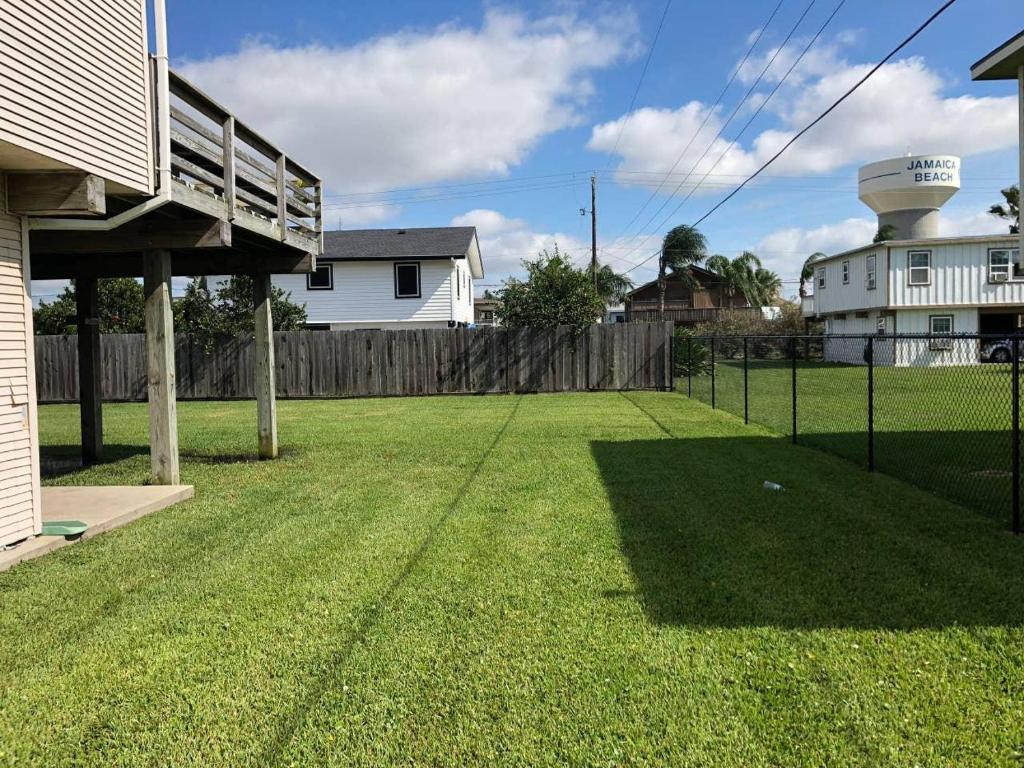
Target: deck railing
(647,312)
(214,152)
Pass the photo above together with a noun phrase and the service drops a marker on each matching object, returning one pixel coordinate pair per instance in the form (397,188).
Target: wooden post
(228,147)
(266,404)
(90,383)
(161,388)
(282,196)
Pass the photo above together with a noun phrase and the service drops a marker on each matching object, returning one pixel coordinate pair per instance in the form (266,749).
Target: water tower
(907,192)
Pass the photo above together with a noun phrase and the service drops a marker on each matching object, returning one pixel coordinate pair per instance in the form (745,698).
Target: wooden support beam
(266,403)
(184,264)
(90,380)
(162,389)
(56,193)
(153,233)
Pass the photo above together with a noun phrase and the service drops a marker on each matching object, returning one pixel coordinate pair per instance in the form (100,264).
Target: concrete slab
(100,507)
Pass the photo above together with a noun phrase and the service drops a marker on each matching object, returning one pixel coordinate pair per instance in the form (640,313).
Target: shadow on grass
(710,547)
(61,460)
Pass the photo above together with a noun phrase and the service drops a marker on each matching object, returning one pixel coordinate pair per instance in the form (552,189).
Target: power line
(828,111)
(636,91)
(849,92)
(707,117)
(726,124)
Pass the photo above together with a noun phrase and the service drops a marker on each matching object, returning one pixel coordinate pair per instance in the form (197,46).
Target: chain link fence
(941,412)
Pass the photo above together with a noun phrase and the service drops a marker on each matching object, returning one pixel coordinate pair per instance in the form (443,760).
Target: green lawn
(586,579)
(946,429)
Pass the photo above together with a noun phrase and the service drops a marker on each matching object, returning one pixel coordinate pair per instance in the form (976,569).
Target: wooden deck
(224,169)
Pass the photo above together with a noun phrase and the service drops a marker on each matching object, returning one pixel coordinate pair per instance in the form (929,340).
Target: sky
(497,114)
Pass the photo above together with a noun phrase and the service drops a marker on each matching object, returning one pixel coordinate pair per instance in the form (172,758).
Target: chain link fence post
(792,343)
(871,403)
(712,372)
(689,366)
(746,400)
(1015,450)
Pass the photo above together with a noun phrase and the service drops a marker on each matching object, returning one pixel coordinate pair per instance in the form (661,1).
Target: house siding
(959,276)
(74,86)
(364,294)
(855,295)
(20,514)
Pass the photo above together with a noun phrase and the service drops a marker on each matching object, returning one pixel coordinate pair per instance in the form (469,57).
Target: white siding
(851,350)
(959,276)
(364,293)
(918,352)
(19,462)
(74,85)
(839,297)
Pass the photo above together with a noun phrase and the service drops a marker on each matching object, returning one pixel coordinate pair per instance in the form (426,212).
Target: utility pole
(593,229)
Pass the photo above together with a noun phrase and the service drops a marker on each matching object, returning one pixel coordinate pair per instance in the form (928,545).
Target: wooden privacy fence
(621,356)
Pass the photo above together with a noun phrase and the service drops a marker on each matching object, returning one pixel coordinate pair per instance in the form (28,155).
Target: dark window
(322,278)
(407,280)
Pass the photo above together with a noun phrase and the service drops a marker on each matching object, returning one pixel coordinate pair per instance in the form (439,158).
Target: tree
(205,315)
(122,305)
(885,232)
(739,275)
(682,247)
(554,293)
(611,286)
(807,271)
(767,286)
(1010,211)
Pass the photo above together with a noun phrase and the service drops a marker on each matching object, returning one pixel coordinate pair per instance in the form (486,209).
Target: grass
(944,429)
(583,579)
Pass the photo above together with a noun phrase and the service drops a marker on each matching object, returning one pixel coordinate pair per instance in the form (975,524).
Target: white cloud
(784,250)
(420,106)
(902,107)
(505,242)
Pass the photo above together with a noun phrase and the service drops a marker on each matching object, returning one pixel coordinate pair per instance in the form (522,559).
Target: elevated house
(685,305)
(112,165)
(391,278)
(485,311)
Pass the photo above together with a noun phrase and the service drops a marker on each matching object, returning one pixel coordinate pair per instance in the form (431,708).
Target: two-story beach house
(113,166)
(918,282)
(373,279)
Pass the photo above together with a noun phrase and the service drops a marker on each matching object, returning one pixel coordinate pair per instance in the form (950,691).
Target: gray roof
(422,242)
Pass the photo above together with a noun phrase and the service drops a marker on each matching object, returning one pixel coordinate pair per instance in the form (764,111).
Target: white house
(956,285)
(391,278)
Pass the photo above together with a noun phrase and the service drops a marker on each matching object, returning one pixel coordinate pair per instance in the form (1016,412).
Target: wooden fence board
(379,363)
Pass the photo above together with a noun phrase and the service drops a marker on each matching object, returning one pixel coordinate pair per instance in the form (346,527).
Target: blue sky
(495,114)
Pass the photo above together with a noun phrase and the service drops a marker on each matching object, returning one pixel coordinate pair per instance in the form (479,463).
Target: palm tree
(682,247)
(1010,211)
(807,271)
(768,286)
(738,274)
(611,286)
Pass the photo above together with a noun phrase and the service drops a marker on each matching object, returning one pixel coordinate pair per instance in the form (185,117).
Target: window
(488,315)
(321,279)
(869,281)
(820,280)
(940,325)
(407,280)
(1004,265)
(919,267)
(861,315)
(846,273)
(880,325)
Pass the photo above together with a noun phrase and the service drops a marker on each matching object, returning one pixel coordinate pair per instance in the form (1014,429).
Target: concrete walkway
(101,507)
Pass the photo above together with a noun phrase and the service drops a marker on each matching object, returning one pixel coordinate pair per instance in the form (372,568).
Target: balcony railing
(215,154)
(647,312)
